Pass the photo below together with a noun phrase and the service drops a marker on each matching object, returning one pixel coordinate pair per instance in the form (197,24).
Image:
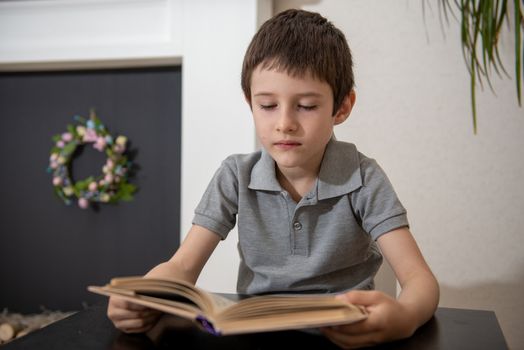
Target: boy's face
(293,117)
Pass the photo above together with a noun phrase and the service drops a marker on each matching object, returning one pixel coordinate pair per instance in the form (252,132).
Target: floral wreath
(109,187)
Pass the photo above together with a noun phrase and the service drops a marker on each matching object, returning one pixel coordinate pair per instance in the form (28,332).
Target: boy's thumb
(359,297)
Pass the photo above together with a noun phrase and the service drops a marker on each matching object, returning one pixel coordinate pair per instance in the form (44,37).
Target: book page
(279,312)
(221,303)
(287,321)
(173,289)
(267,305)
(180,309)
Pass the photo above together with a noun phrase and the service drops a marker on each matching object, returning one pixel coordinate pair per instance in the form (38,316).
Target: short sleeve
(376,204)
(218,207)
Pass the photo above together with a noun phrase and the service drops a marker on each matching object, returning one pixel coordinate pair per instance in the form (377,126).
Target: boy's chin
(287,162)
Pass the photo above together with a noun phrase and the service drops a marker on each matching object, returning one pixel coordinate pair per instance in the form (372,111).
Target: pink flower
(67,136)
(90,136)
(108,178)
(57,181)
(60,144)
(100,144)
(93,186)
(119,148)
(83,203)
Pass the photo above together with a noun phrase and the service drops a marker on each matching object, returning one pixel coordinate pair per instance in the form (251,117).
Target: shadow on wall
(505,298)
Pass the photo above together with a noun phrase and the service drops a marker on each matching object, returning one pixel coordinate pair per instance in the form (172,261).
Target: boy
(310,209)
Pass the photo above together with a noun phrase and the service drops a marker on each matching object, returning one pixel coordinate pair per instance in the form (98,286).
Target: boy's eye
(267,106)
(307,108)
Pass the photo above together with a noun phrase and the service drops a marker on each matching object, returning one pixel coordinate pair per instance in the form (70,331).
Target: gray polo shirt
(323,244)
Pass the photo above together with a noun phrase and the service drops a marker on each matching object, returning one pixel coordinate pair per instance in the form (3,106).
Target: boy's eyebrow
(303,94)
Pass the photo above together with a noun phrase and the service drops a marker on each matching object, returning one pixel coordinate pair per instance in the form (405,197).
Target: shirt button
(297,225)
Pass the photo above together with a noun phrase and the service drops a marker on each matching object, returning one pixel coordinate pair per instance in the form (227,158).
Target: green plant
(481,24)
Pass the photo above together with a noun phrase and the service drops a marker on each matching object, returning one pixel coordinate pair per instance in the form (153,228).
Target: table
(90,329)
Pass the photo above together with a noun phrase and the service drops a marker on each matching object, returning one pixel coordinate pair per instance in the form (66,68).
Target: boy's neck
(297,182)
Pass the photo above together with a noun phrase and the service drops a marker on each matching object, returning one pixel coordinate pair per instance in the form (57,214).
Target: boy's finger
(137,325)
(124,304)
(131,325)
(136,307)
(122,314)
(360,297)
(361,327)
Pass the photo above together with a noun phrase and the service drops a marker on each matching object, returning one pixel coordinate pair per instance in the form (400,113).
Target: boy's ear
(345,108)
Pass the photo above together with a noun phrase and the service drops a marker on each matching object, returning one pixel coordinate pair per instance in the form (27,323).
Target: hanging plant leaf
(481,22)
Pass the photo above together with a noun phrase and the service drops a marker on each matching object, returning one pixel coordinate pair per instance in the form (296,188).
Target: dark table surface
(90,329)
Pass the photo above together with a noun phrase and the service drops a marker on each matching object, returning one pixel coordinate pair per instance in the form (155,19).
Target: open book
(219,315)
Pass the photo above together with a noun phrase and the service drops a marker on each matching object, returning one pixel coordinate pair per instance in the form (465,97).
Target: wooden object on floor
(15,325)
(8,330)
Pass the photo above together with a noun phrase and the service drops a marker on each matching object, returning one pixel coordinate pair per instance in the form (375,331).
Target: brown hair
(300,42)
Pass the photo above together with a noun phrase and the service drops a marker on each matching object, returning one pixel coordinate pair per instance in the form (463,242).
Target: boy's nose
(286,122)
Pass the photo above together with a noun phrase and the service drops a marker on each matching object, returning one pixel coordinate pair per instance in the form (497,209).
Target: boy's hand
(388,320)
(131,318)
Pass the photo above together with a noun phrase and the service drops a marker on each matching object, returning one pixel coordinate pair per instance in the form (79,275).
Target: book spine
(208,326)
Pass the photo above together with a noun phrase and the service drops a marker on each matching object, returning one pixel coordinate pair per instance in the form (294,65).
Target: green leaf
(69,148)
(481,23)
(126,197)
(518,49)
(125,192)
(82,185)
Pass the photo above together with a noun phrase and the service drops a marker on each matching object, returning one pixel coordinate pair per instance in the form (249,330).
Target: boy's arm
(391,319)
(186,263)
(419,287)
(191,256)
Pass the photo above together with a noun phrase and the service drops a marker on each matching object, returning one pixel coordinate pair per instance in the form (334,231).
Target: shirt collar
(339,172)
(263,176)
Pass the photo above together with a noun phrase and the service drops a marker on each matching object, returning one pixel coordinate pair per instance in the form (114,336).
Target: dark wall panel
(50,252)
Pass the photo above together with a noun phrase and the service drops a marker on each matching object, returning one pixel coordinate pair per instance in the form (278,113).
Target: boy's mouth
(286,144)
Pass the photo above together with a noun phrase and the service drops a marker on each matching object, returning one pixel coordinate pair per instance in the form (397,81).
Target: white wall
(216,120)
(464,193)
